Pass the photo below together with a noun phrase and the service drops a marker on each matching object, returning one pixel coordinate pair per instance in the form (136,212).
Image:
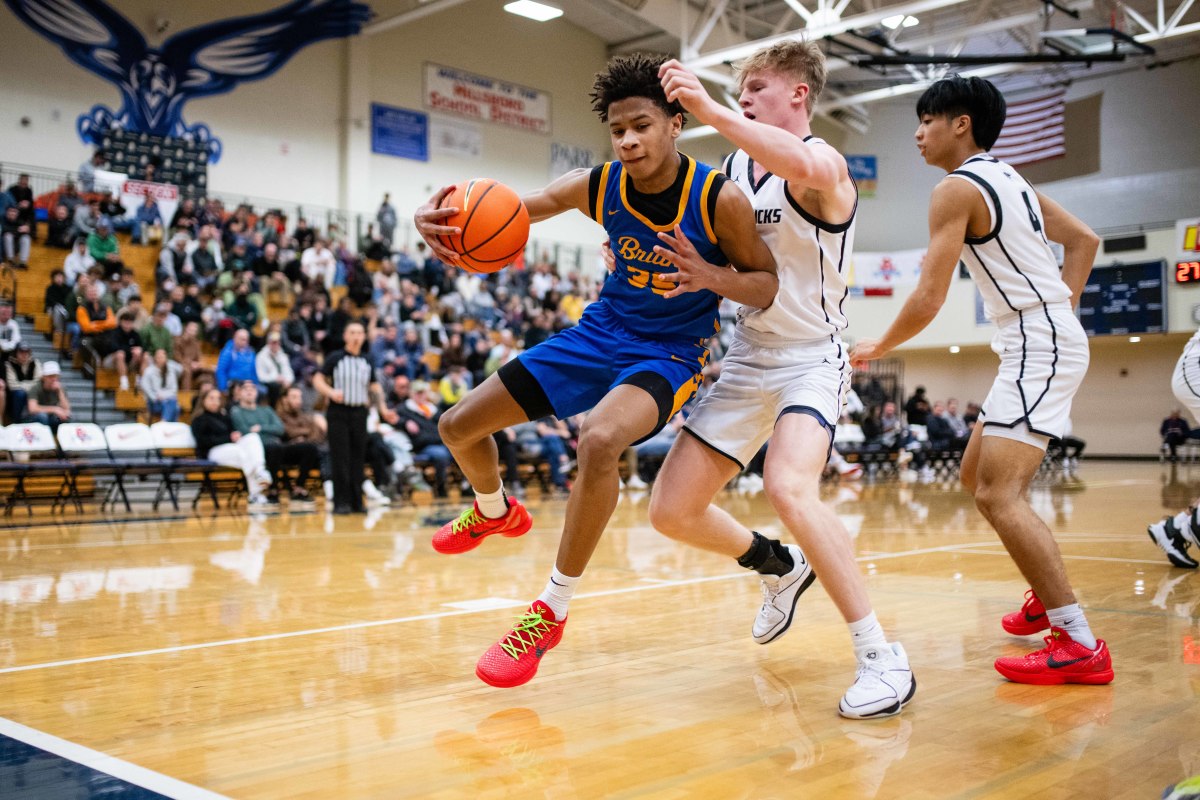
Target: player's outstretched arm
(780,151)
(950,210)
(1079,242)
(563,194)
(752,282)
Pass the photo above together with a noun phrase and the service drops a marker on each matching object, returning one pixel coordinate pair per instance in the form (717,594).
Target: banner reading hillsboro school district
(453,91)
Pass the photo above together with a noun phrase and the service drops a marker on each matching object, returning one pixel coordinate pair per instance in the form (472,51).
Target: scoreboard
(1125,299)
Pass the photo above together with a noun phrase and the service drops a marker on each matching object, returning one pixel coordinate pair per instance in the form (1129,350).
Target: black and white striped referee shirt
(352,374)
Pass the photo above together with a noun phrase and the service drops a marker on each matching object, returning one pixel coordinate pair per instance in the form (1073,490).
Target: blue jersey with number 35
(634,291)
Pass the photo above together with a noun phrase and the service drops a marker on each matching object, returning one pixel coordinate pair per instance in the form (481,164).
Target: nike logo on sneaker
(1054,663)
(538,651)
(1033,617)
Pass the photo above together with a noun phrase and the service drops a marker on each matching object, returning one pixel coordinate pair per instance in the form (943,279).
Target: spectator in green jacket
(249,417)
(155,335)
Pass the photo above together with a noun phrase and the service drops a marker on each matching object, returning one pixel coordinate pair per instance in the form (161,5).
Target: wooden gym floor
(295,657)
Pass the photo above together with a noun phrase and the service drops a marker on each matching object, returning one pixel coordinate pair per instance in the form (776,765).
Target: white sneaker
(780,594)
(635,482)
(258,500)
(327,486)
(374,495)
(262,476)
(850,472)
(883,685)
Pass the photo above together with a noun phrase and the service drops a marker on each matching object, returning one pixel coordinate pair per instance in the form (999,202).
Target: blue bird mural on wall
(155,83)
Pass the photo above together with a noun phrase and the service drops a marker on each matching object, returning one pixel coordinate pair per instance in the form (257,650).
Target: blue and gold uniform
(633,334)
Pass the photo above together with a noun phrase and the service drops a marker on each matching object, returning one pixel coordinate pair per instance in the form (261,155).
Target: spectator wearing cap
(17,236)
(156,335)
(10,332)
(23,375)
(274,368)
(103,246)
(48,404)
(160,386)
(122,349)
(78,261)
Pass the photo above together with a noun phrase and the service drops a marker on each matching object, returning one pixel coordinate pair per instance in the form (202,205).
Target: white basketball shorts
(1186,380)
(760,383)
(1043,358)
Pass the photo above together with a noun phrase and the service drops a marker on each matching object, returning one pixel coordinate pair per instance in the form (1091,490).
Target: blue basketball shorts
(572,371)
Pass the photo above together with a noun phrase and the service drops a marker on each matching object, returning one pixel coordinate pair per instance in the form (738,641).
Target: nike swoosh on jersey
(611,213)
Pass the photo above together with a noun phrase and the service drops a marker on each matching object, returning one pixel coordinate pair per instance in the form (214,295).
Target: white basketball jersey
(812,257)
(1012,265)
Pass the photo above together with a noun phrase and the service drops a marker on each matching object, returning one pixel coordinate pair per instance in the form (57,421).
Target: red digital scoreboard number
(1187,272)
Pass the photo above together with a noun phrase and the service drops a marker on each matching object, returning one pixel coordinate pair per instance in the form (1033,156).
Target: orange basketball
(494,224)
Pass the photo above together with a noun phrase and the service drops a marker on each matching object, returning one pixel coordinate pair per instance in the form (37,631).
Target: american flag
(1033,130)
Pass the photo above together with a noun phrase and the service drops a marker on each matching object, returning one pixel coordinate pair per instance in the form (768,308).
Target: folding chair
(29,439)
(177,446)
(83,446)
(132,447)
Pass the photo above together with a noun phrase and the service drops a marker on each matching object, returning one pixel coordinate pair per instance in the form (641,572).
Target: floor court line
(435,615)
(109,765)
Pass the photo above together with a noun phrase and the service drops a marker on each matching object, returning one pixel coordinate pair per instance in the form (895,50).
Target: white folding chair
(132,447)
(173,437)
(23,441)
(83,446)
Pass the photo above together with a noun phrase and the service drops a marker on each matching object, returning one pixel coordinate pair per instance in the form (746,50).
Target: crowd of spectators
(434,333)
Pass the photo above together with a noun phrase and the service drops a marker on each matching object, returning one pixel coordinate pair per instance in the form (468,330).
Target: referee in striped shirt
(348,381)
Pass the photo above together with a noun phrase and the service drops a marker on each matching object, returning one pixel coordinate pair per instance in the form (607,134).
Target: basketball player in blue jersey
(785,375)
(636,355)
(985,213)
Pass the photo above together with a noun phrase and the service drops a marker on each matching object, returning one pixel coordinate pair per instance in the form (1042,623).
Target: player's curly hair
(632,76)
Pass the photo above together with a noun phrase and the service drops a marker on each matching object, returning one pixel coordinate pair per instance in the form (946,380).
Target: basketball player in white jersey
(1174,535)
(785,375)
(985,213)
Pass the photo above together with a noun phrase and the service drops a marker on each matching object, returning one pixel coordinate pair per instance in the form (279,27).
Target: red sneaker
(467,532)
(514,660)
(1062,660)
(1029,620)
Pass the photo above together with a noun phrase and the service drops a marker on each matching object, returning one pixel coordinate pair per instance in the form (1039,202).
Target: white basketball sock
(493,505)
(1183,521)
(1071,619)
(558,592)
(865,634)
